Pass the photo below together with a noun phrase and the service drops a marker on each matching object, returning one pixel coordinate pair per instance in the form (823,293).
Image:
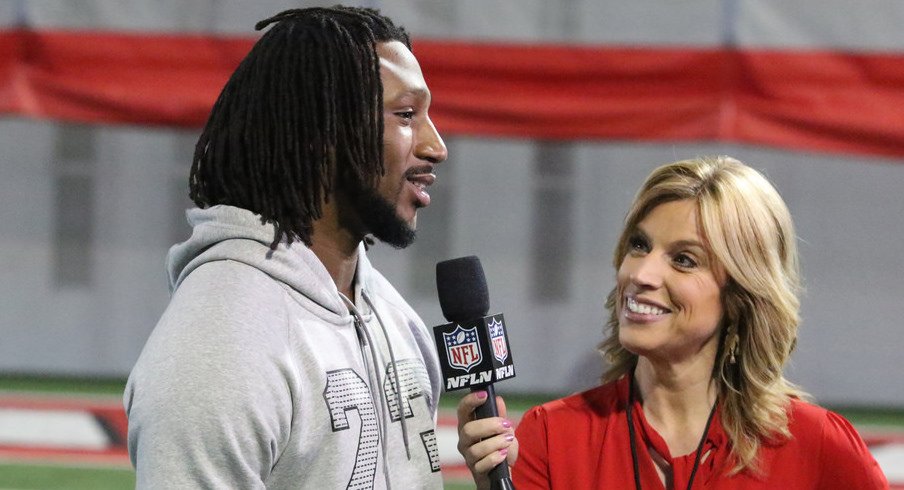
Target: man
(284,360)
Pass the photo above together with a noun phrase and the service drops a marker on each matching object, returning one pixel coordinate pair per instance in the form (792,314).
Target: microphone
(473,348)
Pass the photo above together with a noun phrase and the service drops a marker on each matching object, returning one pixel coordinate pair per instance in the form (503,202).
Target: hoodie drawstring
(375,368)
(400,391)
(360,326)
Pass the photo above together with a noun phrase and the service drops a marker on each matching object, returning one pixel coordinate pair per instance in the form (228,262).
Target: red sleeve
(844,458)
(531,470)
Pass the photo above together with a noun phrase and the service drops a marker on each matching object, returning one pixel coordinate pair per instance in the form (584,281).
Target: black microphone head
(462,289)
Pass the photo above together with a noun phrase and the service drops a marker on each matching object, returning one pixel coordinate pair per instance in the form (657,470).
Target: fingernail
(510,437)
(507,424)
(481,394)
(503,451)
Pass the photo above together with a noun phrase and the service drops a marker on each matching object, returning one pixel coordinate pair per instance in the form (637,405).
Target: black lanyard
(690,481)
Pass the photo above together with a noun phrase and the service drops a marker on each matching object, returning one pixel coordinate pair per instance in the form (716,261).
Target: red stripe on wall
(822,101)
(115,78)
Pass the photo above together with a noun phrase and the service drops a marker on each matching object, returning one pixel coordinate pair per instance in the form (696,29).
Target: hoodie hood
(231,233)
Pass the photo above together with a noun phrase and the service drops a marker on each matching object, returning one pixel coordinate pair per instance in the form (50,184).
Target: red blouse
(582,441)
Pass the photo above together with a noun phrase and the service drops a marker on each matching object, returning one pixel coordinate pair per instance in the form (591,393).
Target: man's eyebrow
(415,92)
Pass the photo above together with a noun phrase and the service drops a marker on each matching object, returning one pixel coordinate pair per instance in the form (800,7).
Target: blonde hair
(751,235)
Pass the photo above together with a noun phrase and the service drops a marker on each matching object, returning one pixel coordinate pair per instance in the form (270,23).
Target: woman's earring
(732,348)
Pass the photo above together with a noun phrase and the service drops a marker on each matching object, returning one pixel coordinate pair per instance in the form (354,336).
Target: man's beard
(381,219)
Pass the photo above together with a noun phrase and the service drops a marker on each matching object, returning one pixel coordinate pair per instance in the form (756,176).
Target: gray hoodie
(258,375)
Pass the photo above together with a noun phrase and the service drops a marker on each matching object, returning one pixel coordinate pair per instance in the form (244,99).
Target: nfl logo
(497,337)
(462,348)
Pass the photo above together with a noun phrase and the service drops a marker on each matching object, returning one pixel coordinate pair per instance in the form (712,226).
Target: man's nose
(430,145)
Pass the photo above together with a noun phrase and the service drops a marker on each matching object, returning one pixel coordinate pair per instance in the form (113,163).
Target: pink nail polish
(481,394)
(510,437)
(503,451)
(507,424)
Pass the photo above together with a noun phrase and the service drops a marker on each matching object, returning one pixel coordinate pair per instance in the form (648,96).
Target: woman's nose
(646,272)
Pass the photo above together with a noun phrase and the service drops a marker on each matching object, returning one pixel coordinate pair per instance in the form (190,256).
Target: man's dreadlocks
(302,112)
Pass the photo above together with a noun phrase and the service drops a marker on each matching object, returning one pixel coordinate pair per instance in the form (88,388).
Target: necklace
(634,462)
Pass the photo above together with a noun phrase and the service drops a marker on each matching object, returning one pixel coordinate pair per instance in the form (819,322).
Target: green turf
(458,486)
(81,386)
(886,417)
(50,477)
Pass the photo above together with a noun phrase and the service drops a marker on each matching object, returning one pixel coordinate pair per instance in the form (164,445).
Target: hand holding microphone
(474,352)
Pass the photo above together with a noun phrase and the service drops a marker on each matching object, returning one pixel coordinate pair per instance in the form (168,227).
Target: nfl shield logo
(462,348)
(497,337)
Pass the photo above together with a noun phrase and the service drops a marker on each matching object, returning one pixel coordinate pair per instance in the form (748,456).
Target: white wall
(848,212)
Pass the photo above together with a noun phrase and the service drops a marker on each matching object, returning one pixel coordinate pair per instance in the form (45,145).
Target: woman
(703,318)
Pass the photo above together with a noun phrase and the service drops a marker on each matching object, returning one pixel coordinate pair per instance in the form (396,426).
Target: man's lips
(422,174)
(421,178)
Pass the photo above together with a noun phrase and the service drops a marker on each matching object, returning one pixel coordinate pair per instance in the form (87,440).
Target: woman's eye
(406,114)
(686,261)
(638,244)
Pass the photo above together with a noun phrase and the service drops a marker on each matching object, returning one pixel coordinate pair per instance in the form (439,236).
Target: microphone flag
(474,353)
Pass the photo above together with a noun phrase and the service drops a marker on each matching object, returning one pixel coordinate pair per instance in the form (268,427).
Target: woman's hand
(484,443)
